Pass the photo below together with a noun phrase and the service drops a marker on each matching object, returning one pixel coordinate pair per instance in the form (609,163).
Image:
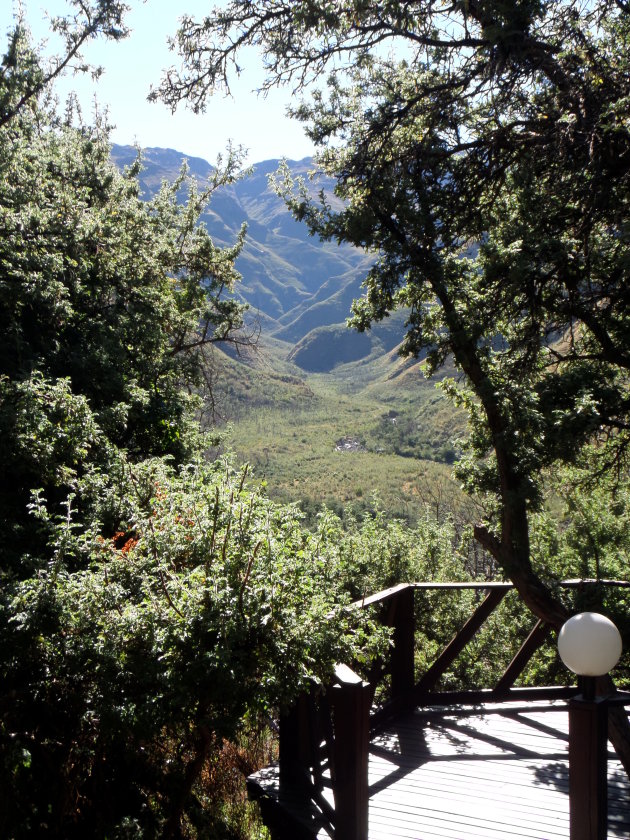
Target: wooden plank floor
(466,775)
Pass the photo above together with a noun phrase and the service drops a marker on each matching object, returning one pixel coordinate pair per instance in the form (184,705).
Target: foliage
(130,658)
(584,533)
(578,535)
(375,552)
(106,303)
(24,78)
(152,605)
(485,160)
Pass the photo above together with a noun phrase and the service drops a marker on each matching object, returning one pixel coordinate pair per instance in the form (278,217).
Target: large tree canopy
(482,149)
(485,157)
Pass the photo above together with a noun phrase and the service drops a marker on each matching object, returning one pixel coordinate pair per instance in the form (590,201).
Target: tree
(150,601)
(489,169)
(486,160)
(23,82)
(109,304)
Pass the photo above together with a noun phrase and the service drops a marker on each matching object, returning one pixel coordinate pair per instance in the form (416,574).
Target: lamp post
(589,644)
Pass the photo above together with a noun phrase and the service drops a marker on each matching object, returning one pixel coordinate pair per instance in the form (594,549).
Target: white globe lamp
(589,644)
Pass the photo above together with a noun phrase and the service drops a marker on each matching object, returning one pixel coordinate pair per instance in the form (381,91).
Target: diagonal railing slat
(529,647)
(450,653)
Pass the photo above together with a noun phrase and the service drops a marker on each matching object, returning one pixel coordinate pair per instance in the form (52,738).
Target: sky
(132,65)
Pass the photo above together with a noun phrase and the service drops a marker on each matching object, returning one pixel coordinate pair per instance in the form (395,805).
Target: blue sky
(132,65)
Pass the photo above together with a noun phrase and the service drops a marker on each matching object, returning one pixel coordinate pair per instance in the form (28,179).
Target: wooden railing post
(402,655)
(350,698)
(588,785)
(294,747)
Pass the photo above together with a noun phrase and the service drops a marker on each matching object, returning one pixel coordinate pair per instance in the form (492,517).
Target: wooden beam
(525,653)
(382,596)
(459,642)
(295,746)
(588,796)
(487,695)
(402,654)
(350,699)
(470,584)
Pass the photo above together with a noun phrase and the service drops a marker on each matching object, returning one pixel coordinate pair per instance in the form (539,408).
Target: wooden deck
(392,756)
(492,772)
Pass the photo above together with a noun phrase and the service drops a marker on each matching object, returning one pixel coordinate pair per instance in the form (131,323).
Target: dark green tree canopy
(482,150)
(108,304)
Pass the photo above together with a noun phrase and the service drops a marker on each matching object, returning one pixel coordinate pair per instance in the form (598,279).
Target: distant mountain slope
(292,282)
(312,382)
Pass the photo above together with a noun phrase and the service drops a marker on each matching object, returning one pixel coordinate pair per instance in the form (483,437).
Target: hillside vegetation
(339,438)
(325,415)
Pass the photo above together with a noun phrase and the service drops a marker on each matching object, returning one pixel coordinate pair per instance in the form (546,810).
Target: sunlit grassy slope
(337,438)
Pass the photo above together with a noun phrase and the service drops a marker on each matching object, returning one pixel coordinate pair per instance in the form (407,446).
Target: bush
(133,657)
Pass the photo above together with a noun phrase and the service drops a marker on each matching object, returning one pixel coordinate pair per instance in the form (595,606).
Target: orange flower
(131,543)
(124,541)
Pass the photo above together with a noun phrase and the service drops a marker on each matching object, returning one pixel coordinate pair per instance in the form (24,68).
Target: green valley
(323,414)
(338,438)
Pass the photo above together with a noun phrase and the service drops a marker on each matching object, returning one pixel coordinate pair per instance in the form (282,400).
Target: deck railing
(324,740)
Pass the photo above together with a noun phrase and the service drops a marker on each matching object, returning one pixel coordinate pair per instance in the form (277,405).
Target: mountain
(323,414)
(298,288)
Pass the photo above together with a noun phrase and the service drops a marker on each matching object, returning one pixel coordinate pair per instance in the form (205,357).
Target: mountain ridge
(312,381)
(294,284)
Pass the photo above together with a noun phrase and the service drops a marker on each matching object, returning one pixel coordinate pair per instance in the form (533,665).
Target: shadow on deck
(482,765)
(483,773)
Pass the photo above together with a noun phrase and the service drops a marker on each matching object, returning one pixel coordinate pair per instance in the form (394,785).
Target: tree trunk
(618,725)
(204,741)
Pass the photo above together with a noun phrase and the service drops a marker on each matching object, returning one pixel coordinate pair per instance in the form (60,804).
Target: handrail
(392,591)
(324,741)
(423,692)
